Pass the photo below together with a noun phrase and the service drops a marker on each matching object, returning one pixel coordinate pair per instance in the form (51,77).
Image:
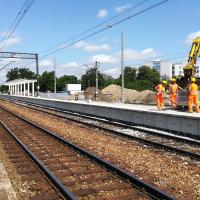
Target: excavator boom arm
(193,55)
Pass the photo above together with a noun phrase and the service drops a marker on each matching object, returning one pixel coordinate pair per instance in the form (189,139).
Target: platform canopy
(20,86)
(19,81)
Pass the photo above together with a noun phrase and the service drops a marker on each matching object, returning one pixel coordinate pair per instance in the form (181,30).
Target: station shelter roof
(19,81)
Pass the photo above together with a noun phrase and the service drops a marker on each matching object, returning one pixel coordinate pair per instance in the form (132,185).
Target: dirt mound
(90,94)
(131,96)
(147,97)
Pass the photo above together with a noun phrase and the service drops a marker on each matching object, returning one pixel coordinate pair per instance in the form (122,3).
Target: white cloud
(120,9)
(14,40)
(192,36)
(3,34)
(114,72)
(7,60)
(46,63)
(106,60)
(71,68)
(11,42)
(91,47)
(102,58)
(130,54)
(72,64)
(102,13)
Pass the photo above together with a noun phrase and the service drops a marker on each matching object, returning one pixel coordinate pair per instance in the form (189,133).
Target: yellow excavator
(189,71)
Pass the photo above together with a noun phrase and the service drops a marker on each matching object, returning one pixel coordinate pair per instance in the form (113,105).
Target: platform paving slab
(6,190)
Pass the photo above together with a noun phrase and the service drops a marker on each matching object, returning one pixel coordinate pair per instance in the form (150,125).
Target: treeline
(143,78)
(139,79)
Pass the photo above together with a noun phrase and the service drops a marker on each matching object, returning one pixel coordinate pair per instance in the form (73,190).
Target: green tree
(150,76)
(129,77)
(3,88)
(13,74)
(107,80)
(66,79)
(46,81)
(141,85)
(146,78)
(130,74)
(89,79)
(17,73)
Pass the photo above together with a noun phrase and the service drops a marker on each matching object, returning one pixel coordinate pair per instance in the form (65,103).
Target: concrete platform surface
(6,190)
(184,123)
(136,107)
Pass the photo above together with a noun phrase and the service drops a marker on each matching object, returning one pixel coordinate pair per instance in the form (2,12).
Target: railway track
(76,173)
(176,144)
(37,184)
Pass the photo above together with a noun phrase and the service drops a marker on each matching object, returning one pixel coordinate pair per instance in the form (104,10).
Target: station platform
(6,190)
(182,123)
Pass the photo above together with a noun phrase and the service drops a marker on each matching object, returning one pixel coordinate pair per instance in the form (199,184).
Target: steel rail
(110,122)
(152,191)
(139,139)
(123,125)
(56,182)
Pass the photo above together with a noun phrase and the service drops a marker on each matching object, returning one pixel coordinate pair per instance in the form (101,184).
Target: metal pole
(28,89)
(37,73)
(24,89)
(21,89)
(54,75)
(122,68)
(97,85)
(33,92)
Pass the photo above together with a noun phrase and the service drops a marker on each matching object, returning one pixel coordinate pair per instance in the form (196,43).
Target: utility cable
(13,23)
(96,26)
(6,65)
(105,28)
(27,5)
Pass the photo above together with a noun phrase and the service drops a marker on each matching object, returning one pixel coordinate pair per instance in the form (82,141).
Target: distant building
(73,88)
(177,69)
(164,67)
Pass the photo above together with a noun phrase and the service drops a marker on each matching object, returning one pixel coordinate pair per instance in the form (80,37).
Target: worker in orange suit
(173,90)
(160,92)
(193,96)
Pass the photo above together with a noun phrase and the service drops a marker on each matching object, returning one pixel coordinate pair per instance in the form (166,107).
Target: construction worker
(173,90)
(160,89)
(193,96)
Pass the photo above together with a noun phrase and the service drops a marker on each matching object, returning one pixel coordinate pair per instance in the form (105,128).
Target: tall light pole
(54,75)
(122,68)
(97,79)
(37,73)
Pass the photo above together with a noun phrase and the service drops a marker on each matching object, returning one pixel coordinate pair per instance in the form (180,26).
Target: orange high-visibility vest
(160,89)
(193,89)
(173,88)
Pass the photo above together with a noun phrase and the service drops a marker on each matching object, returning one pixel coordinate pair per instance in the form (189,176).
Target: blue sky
(164,32)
